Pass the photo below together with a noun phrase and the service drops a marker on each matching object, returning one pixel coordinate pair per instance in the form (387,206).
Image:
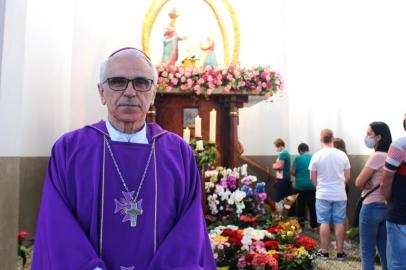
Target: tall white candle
(186,135)
(198,127)
(212,134)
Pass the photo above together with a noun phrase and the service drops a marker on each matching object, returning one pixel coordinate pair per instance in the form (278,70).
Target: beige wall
(9,199)
(21,181)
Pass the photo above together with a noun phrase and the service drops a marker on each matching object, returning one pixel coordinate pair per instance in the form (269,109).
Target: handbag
(355,221)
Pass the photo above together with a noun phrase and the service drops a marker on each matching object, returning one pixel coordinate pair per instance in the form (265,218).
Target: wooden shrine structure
(169,109)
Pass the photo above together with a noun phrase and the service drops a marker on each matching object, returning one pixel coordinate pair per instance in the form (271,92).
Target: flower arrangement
(277,247)
(234,197)
(22,248)
(207,80)
(205,153)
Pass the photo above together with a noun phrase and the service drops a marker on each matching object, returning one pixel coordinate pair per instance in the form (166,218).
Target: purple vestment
(82,215)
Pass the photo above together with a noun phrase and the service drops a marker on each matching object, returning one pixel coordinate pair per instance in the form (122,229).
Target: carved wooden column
(230,105)
(151,115)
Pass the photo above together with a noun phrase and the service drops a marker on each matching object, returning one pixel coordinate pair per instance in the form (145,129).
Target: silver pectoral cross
(129,207)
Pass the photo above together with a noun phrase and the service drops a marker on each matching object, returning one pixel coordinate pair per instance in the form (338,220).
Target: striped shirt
(396,155)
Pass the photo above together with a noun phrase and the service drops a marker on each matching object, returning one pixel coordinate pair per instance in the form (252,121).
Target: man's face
(128,106)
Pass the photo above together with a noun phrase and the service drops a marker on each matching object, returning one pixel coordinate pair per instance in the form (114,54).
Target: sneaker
(321,255)
(347,245)
(341,256)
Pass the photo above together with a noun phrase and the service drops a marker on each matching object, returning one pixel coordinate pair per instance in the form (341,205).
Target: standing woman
(340,145)
(282,167)
(373,211)
(305,187)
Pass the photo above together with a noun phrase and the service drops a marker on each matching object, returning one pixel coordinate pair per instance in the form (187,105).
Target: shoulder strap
(369,192)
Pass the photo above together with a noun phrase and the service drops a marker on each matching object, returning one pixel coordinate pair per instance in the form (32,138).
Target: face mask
(369,142)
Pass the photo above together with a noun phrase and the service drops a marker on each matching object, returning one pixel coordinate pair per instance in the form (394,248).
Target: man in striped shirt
(393,186)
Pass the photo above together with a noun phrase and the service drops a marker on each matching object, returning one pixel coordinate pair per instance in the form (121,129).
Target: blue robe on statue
(83,224)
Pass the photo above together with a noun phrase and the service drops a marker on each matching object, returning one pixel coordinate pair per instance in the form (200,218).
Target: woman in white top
(373,211)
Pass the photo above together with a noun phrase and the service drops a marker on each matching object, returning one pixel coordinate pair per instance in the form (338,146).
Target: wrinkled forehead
(128,65)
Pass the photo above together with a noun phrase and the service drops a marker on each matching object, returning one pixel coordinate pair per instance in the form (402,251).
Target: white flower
(246,239)
(225,195)
(238,195)
(228,172)
(211,173)
(243,170)
(208,186)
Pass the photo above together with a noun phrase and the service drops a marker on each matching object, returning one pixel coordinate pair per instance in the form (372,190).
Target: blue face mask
(369,142)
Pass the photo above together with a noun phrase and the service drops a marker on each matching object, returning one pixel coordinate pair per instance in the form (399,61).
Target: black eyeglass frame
(132,82)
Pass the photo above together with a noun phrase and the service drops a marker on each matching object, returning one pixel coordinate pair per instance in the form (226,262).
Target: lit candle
(199,145)
(212,135)
(198,127)
(186,135)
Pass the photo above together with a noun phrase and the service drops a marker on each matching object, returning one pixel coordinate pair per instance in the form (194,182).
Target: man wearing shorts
(329,171)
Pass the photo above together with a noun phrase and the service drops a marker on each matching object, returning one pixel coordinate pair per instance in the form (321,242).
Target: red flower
(249,257)
(271,244)
(263,260)
(308,243)
(234,236)
(22,235)
(245,218)
(275,229)
(271,204)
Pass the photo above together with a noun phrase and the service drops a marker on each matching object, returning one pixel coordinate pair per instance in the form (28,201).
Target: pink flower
(174,81)
(210,91)
(197,89)
(200,81)
(227,88)
(168,88)
(190,82)
(164,74)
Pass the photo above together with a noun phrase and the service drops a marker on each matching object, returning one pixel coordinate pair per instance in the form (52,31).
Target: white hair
(135,52)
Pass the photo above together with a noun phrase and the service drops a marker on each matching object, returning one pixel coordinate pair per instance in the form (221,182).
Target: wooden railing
(266,171)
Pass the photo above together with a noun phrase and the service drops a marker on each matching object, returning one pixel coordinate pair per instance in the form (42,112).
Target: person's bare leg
(324,237)
(339,232)
(346,228)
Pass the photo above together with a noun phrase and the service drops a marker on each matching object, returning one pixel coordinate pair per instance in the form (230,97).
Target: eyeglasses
(140,84)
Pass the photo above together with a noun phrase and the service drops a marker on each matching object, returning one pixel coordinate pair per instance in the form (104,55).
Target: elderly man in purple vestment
(122,194)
